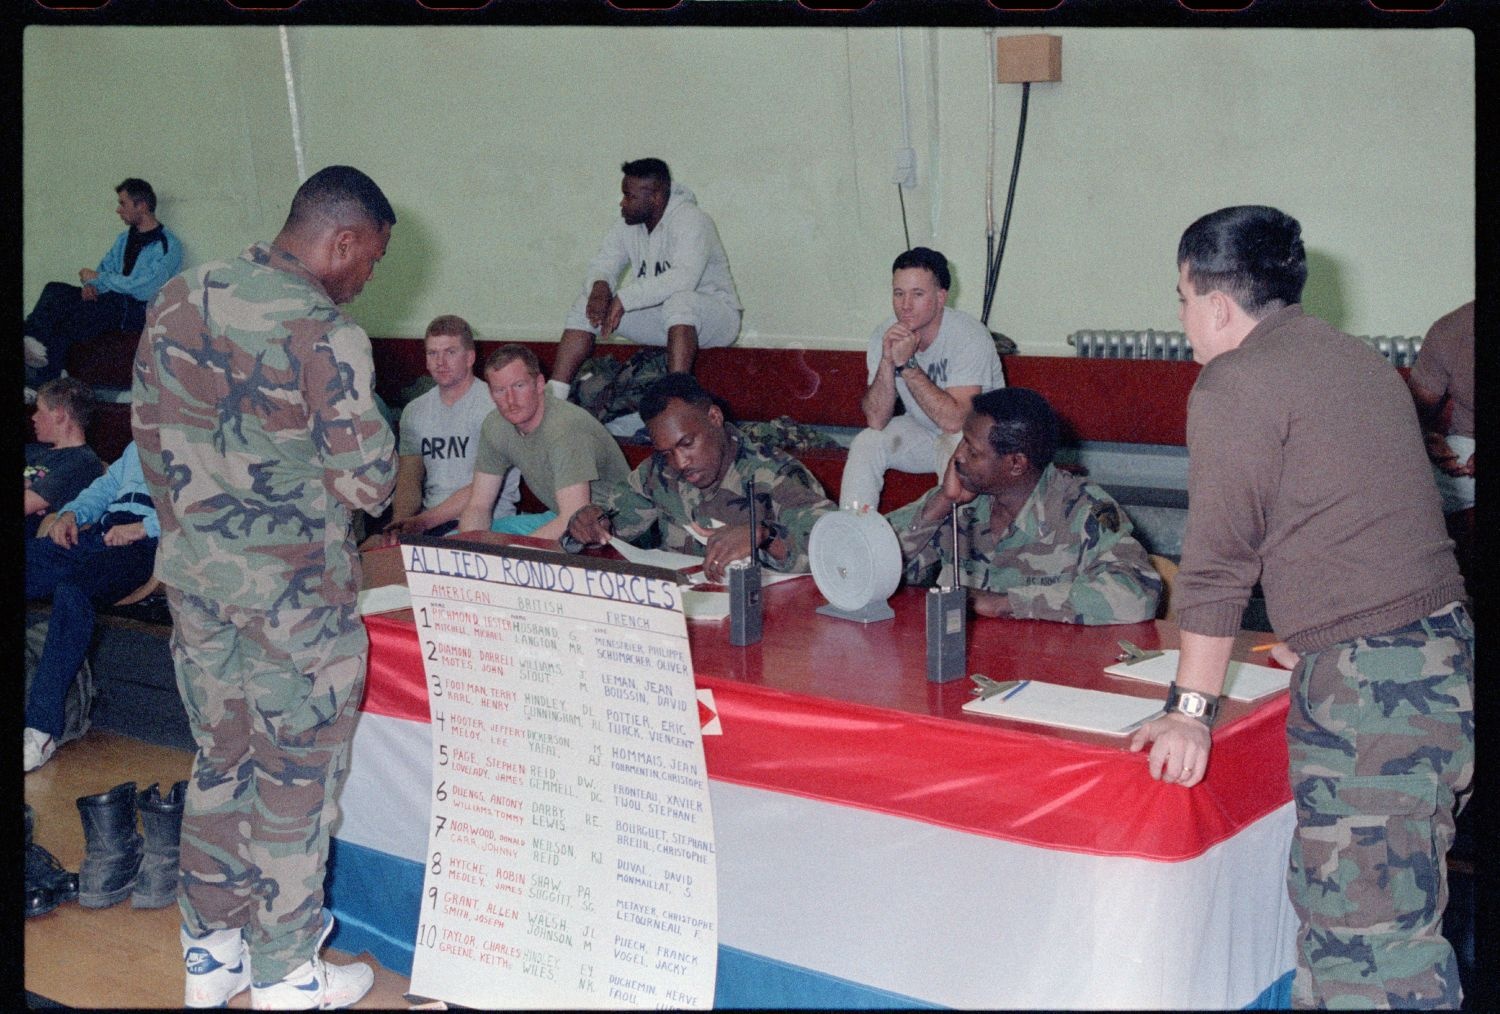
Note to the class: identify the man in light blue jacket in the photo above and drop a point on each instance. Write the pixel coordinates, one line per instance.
(100, 548)
(111, 297)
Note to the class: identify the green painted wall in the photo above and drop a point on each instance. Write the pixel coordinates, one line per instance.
(499, 148)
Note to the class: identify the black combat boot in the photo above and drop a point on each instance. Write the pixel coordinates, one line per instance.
(112, 847)
(161, 820)
(47, 883)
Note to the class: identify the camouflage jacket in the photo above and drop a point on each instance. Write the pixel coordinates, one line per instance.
(1068, 556)
(787, 499)
(253, 406)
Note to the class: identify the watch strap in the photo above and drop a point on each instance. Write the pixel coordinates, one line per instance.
(1203, 707)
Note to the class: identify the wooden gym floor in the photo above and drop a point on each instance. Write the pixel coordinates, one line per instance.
(121, 956)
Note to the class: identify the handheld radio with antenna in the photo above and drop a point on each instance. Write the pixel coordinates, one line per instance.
(947, 615)
(744, 587)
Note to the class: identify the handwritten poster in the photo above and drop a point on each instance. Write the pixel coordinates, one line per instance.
(570, 859)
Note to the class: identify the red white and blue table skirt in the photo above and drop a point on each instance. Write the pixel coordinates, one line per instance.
(872, 858)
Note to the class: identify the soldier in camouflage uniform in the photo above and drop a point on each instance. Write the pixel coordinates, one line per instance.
(254, 410)
(1380, 735)
(1038, 543)
(696, 483)
(1308, 474)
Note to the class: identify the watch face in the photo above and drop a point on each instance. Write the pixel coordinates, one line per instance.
(1193, 704)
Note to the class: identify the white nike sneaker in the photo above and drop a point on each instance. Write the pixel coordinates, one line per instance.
(34, 352)
(37, 748)
(315, 985)
(217, 967)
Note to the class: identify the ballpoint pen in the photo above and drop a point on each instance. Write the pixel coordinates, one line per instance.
(1015, 690)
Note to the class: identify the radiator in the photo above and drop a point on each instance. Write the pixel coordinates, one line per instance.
(1150, 344)
(1146, 344)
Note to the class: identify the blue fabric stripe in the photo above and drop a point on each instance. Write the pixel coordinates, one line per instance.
(1277, 996)
(751, 980)
(377, 898)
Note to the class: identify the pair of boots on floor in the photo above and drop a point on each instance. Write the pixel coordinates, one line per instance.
(118, 861)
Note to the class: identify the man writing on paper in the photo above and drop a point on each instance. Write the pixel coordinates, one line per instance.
(1308, 473)
(254, 409)
(440, 440)
(694, 489)
(558, 447)
(677, 291)
(934, 360)
(1037, 542)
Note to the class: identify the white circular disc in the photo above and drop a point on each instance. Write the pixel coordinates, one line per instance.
(855, 558)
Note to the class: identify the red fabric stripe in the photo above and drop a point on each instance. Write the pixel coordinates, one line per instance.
(395, 685)
(1026, 787)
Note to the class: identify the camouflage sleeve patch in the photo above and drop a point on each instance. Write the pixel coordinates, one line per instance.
(1105, 515)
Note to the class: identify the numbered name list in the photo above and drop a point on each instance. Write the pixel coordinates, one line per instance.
(570, 859)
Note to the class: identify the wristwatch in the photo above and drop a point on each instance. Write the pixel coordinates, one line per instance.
(1192, 704)
(910, 364)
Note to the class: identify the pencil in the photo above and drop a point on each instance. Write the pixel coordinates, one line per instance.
(1265, 647)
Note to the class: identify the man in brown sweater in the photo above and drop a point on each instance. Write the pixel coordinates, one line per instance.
(1307, 471)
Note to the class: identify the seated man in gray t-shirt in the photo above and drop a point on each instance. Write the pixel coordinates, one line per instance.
(440, 438)
(930, 358)
(558, 447)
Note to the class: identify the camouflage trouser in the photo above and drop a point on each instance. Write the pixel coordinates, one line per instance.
(1381, 737)
(271, 696)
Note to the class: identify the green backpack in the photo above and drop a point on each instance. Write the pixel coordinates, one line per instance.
(608, 388)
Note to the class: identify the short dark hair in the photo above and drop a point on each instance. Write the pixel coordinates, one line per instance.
(72, 396)
(1251, 253)
(1024, 422)
(452, 324)
(138, 190)
(924, 257)
(509, 353)
(649, 169)
(682, 386)
(342, 195)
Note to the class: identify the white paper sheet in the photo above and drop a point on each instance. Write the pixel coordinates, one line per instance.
(655, 557)
(1245, 681)
(684, 562)
(1069, 708)
(705, 605)
(384, 599)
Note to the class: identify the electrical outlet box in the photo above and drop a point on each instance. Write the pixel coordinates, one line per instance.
(1023, 58)
(906, 168)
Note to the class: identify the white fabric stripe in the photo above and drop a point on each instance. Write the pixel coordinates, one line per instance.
(975, 922)
(385, 802)
(943, 916)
